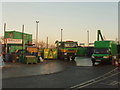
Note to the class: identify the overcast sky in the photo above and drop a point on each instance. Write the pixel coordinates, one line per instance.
(75, 18)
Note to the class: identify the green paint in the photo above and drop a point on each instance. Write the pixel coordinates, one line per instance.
(81, 51)
(50, 53)
(18, 35)
(104, 49)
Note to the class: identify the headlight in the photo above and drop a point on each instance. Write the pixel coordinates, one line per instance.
(114, 57)
(65, 53)
(63, 50)
(106, 57)
(76, 50)
(93, 57)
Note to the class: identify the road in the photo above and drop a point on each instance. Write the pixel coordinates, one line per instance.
(58, 74)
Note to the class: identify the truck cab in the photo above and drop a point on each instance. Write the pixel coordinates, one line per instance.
(104, 51)
(67, 49)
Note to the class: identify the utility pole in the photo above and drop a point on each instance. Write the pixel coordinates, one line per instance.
(5, 40)
(88, 36)
(47, 42)
(37, 33)
(61, 34)
(22, 37)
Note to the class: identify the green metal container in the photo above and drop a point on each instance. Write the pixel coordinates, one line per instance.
(22, 59)
(28, 59)
(81, 51)
(31, 59)
(50, 53)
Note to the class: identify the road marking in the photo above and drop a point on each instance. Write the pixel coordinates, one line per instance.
(114, 83)
(95, 80)
(110, 83)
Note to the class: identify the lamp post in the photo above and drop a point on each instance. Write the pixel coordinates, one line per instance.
(5, 40)
(47, 43)
(61, 34)
(88, 36)
(22, 38)
(37, 22)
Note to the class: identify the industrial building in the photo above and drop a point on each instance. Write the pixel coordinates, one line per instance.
(15, 40)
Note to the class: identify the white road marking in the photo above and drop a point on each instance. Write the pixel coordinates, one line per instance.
(95, 80)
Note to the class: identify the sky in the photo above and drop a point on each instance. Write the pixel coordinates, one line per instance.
(75, 18)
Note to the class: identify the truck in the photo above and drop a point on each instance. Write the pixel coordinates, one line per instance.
(118, 47)
(67, 49)
(104, 50)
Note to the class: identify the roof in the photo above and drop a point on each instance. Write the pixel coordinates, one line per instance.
(17, 31)
(106, 41)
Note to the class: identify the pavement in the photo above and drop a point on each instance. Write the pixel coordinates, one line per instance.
(52, 73)
(19, 70)
(11, 70)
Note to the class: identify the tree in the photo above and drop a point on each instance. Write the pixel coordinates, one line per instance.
(51, 46)
(42, 44)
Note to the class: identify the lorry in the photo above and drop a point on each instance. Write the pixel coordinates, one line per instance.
(67, 49)
(118, 47)
(104, 50)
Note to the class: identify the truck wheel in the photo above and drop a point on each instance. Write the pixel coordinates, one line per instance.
(61, 57)
(68, 58)
(93, 63)
(73, 58)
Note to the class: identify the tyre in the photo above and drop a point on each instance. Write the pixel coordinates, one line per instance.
(68, 58)
(93, 62)
(73, 58)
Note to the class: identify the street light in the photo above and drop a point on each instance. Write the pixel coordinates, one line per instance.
(22, 38)
(47, 42)
(5, 40)
(61, 34)
(37, 32)
(88, 36)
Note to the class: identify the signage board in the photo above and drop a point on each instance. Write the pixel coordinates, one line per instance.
(13, 41)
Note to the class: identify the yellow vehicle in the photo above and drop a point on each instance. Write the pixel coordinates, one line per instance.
(32, 49)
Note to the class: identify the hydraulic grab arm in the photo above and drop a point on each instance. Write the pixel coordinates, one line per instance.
(99, 34)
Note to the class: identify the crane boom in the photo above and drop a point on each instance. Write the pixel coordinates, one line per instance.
(99, 34)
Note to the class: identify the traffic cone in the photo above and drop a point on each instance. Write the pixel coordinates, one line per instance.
(117, 63)
(113, 62)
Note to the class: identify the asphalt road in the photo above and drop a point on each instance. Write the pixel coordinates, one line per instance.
(71, 74)
(112, 82)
